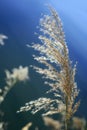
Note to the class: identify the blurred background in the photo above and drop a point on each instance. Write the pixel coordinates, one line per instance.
(18, 21)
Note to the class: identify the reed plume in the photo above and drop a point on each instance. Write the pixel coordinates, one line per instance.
(59, 72)
(19, 74)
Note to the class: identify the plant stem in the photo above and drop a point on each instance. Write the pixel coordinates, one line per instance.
(66, 118)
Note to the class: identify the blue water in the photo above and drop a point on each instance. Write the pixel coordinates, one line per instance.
(18, 20)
